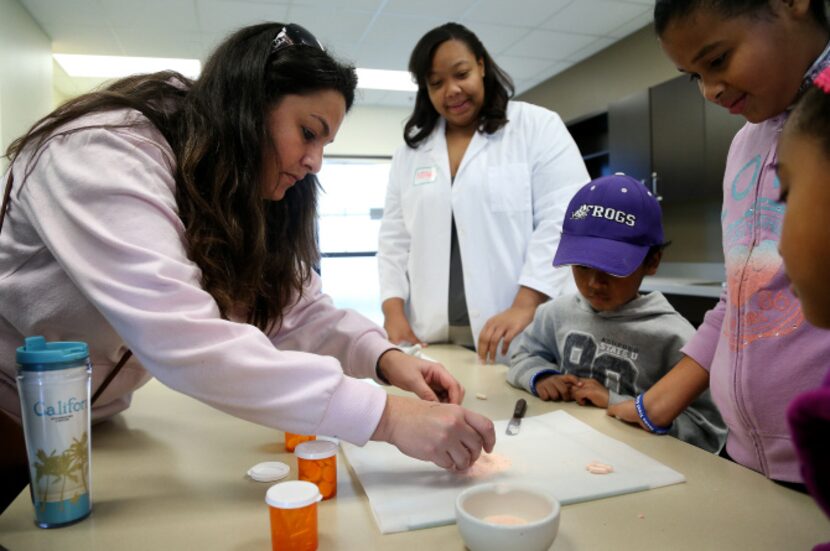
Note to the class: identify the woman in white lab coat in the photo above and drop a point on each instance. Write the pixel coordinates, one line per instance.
(475, 203)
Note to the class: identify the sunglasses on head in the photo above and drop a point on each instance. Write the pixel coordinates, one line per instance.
(293, 34)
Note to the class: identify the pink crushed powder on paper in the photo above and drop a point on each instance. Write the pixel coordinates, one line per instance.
(488, 464)
(505, 520)
(595, 467)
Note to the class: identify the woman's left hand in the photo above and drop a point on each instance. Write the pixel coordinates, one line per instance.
(428, 380)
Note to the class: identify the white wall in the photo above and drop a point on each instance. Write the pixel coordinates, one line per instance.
(631, 65)
(370, 131)
(25, 73)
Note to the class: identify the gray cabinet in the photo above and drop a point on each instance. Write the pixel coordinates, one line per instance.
(670, 137)
(591, 136)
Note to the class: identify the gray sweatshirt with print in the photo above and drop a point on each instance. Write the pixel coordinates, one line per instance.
(627, 350)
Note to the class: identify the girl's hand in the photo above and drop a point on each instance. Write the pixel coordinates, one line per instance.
(668, 397)
(590, 391)
(556, 387)
(448, 435)
(428, 380)
(625, 411)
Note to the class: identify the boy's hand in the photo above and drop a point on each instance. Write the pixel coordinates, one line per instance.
(556, 387)
(590, 391)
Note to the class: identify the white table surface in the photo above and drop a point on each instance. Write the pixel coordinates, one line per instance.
(169, 473)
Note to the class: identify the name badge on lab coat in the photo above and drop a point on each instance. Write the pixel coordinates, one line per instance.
(425, 175)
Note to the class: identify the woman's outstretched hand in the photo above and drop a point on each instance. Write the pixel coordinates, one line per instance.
(446, 434)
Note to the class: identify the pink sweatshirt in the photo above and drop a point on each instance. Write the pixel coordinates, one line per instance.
(93, 250)
(756, 344)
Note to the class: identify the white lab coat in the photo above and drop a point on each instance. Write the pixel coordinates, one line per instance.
(509, 198)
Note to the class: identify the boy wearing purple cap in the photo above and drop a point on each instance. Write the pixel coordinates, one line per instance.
(609, 343)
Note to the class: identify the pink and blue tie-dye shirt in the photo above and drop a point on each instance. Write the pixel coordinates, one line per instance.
(756, 344)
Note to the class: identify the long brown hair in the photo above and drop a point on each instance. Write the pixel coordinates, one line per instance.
(254, 254)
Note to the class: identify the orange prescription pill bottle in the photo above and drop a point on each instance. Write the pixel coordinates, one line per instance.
(317, 463)
(291, 440)
(293, 509)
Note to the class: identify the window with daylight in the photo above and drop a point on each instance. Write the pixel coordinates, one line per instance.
(350, 209)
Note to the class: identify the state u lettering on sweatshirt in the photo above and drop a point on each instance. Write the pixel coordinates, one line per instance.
(627, 350)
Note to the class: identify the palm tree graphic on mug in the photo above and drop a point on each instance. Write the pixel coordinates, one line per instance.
(60, 468)
(45, 468)
(79, 454)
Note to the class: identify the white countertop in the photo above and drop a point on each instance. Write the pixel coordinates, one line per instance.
(169, 473)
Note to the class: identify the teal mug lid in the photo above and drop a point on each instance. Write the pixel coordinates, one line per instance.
(39, 355)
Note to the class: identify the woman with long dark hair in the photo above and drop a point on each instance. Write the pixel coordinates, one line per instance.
(475, 203)
(176, 219)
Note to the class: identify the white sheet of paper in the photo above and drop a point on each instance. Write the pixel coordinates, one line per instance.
(550, 452)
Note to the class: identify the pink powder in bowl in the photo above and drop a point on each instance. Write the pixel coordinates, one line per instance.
(505, 520)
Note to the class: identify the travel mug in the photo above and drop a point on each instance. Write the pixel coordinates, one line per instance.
(53, 380)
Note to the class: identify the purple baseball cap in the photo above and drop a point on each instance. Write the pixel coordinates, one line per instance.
(610, 225)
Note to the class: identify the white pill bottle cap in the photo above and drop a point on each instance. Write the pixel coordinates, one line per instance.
(293, 494)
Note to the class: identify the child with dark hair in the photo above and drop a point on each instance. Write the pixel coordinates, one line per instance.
(608, 342)
(754, 350)
(804, 171)
(474, 204)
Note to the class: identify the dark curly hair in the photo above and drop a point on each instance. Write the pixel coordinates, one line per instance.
(498, 86)
(666, 11)
(811, 117)
(253, 253)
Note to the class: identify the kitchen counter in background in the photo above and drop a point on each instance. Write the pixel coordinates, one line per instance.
(697, 279)
(692, 288)
(683, 286)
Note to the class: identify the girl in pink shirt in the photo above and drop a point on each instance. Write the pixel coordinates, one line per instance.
(754, 350)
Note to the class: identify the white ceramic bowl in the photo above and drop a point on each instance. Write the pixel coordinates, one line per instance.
(480, 511)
